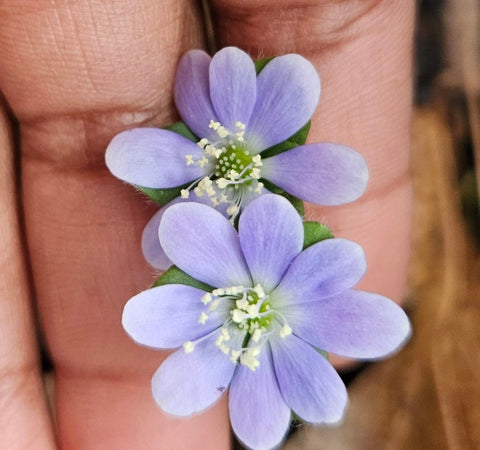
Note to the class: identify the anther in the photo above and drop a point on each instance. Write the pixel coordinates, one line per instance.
(203, 318)
(285, 331)
(206, 298)
(188, 346)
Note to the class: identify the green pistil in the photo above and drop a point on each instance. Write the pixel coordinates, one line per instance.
(236, 159)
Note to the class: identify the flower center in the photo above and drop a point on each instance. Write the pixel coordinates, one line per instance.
(251, 314)
(230, 165)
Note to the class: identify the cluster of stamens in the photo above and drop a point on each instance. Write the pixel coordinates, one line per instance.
(251, 314)
(232, 167)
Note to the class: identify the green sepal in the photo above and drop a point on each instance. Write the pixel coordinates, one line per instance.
(181, 129)
(323, 353)
(296, 203)
(163, 196)
(314, 232)
(261, 63)
(299, 138)
(174, 275)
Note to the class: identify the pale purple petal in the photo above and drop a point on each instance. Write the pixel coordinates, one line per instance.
(271, 235)
(233, 86)
(355, 324)
(188, 383)
(167, 316)
(288, 89)
(203, 243)
(322, 173)
(309, 384)
(258, 413)
(322, 270)
(192, 95)
(152, 157)
(152, 250)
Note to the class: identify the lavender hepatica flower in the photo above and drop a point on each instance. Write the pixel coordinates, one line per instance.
(257, 330)
(238, 117)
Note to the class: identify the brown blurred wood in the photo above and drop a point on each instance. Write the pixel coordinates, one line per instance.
(428, 396)
(462, 22)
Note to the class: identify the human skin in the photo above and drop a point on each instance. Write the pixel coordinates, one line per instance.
(74, 74)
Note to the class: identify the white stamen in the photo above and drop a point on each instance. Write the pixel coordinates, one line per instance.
(203, 318)
(206, 298)
(214, 305)
(225, 334)
(255, 173)
(257, 160)
(249, 358)
(188, 346)
(214, 125)
(202, 162)
(238, 316)
(184, 193)
(234, 356)
(285, 331)
(259, 187)
(222, 183)
(223, 198)
(259, 291)
(257, 334)
(189, 160)
(202, 142)
(232, 210)
(222, 132)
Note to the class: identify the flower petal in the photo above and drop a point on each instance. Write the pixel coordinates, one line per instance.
(233, 86)
(355, 324)
(154, 158)
(322, 270)
(271, 235)
(152, 250)
(258, 413)
(192, 95)
(167, 316)
(309, 384)
(288, 89)
(322, 173)
(203, 243)
(188, 383)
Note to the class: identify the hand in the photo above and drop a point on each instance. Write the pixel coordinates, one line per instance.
(75, 73)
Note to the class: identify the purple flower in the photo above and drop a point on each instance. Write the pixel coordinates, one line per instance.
(237, 116)
(271, 306)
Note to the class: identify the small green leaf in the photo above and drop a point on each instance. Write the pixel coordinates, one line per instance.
(314, 232)
(181, 129)
(323, 353)
(296, 203)
(296, 420)
(174, 275)
(163, 196)
(261, 63)
(272, 187)
(299, 138)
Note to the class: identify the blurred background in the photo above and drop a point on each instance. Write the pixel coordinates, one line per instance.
(428, 396)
